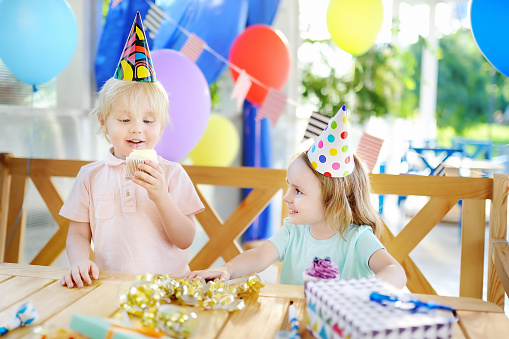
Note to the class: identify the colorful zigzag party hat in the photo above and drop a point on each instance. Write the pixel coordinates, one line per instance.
(332, 154)
(136, 63)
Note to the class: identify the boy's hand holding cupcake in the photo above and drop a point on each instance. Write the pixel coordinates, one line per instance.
(143, 169)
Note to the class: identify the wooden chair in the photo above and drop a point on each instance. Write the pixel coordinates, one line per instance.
(222, 242)
(444, 193)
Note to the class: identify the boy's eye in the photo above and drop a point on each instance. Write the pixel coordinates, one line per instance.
(148, 121)
(298, 191)
(124, 120)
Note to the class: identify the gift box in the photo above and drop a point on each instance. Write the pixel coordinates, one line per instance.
(345, 309)
(101, 328)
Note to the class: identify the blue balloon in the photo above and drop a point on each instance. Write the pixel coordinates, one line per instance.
(262, 12)
(491, 31)
(216, 22)
(38, 38)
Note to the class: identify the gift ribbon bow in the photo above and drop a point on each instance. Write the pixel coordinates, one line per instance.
(411, 305)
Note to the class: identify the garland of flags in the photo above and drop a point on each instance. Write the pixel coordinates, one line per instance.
(274, 103)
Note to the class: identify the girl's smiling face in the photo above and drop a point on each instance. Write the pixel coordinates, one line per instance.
(131, 128)
(304, 195)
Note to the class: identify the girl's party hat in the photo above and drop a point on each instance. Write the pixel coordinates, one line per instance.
(135, 63)
(332, 154)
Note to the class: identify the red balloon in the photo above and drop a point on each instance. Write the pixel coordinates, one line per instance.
(265, 56)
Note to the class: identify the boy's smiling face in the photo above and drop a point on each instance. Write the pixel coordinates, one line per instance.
(304, 195)
(131, 128)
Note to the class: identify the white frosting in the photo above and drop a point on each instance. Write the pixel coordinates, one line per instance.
(150, 154)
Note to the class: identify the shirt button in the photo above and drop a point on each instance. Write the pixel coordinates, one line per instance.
(127, 193)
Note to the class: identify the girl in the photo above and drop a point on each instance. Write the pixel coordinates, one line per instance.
(136, 225)
(330, 215)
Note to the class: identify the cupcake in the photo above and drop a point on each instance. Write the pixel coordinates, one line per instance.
(321, 269)
(137, 157)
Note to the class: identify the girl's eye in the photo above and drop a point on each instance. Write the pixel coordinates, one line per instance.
(298, 191)
(124, 120)
(148, 121)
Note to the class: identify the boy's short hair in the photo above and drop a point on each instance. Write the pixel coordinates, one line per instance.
(154, 92)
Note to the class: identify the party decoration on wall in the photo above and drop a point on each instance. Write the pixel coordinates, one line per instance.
(193, 47)
(354, 25)
(272, 107)
(263, 53)
(227, 17)
(39, 38)
(369, 149)
(135, 63)
(332, 154)
(242, 86)
(491, 32)
(439, 171)
(190, 105)
(154, 19)
(115, 3)
(316, 124)
(219, 144)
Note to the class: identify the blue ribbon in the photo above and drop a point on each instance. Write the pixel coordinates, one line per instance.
(410, 305)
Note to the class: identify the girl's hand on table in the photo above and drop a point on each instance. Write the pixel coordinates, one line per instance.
(219, 272)
(80, 274)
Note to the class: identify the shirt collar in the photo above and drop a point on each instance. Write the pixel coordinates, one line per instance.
(112, 160)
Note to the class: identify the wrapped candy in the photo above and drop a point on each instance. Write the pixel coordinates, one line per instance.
(25, 315)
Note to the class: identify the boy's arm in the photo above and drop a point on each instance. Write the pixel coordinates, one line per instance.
(82, 270)
(252, 261)
(179, 228)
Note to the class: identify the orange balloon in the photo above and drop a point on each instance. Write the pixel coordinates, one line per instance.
(263, 53)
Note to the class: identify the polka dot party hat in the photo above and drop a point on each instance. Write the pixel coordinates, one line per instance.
(136, 63)
(332, 154)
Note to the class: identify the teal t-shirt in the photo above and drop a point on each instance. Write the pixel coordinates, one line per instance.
(297, 248)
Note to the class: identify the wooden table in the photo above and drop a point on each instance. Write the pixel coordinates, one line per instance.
(263, 316)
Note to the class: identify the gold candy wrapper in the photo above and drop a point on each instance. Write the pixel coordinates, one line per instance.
(150, 297)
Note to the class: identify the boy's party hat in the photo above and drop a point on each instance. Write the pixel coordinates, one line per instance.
(135, 63)
(332, 154)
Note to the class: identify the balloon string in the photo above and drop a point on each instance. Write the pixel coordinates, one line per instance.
(30, 155)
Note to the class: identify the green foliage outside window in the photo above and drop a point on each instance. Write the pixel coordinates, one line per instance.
(381, 84)
(386, 82)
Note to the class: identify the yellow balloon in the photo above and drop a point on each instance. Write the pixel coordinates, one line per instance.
(219, 144)
(354, 24)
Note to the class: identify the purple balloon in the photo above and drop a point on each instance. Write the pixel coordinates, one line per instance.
(190, 105)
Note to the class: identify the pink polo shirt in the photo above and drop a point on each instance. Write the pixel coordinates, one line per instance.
(127, 232)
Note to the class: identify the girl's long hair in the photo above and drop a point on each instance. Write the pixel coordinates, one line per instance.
(347, 200)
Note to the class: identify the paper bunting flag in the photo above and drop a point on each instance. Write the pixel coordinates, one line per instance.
(135, 63)
(115, 3)
(332, 154)
(369, 149)
(272, 107)
(242, 86)
(316, 124)
(439, 171)
(155, 16)
(193, 47)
